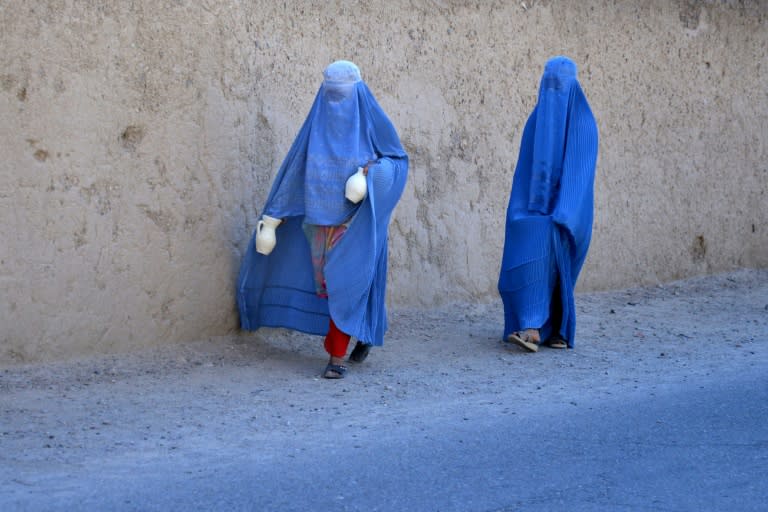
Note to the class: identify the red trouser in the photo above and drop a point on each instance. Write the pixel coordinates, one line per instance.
(336, 342)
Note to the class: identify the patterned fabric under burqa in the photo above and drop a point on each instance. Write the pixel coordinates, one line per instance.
(345, 129)
(550, 212)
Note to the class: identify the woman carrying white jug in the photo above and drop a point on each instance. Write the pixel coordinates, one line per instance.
(317, 262)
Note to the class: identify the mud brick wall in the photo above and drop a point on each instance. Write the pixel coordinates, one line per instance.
(138, 141)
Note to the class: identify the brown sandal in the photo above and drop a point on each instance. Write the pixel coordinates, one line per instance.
(527, 339)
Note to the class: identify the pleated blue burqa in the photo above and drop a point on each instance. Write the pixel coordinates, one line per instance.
(345, 129)
(550, 212)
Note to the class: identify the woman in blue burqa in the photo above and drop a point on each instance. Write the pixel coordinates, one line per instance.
(327, 272)
(549, 217)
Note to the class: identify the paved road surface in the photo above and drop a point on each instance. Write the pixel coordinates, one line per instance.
(700, 446)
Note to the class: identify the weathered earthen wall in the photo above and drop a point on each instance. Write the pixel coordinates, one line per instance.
(139, 139)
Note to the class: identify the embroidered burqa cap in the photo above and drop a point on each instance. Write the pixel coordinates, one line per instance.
(341, 72)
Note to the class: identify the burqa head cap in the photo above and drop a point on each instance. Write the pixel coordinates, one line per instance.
(342, 72)
(560, 66)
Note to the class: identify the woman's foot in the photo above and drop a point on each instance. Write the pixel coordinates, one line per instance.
(335, 368)
(528, 339)
(360, 352)
(557, 341)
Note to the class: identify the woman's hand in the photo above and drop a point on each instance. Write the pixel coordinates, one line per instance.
(370, 163)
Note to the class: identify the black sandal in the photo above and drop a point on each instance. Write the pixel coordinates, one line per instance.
(334, 371)
(360, 352)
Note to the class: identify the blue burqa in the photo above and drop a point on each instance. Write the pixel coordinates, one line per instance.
(345, 129)
(549, 217)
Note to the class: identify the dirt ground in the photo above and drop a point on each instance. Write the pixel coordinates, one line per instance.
(205, 395)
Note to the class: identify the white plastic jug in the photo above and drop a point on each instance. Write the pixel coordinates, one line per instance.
(265, 234)
(356, 187)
